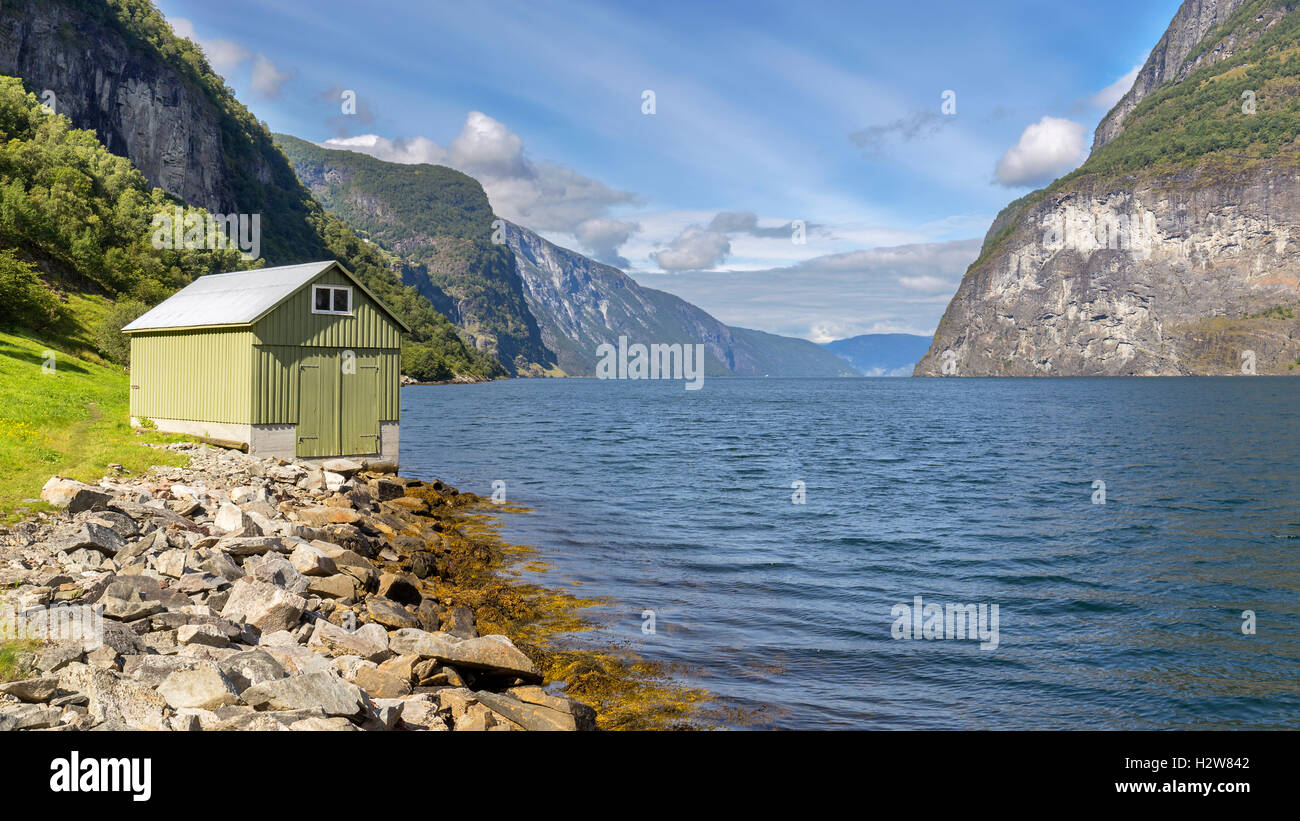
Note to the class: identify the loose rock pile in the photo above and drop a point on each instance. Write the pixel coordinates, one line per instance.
(244, 593)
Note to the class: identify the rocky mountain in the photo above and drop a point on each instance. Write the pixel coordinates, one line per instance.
(580, 304)
(142, 108)
(1169, 60)
(765, 354)
(116, 68)
(881, 354)
(1174, 248)
(439, 222)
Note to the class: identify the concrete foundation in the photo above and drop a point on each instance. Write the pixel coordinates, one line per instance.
(388, 441)
(273, 441)
(230, 431)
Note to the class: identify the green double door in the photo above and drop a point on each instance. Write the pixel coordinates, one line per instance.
(338, 403)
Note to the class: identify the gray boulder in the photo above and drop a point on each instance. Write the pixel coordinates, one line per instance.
(277, 570)
(264, 606)
(322, 690)
(251, 667)
(370, 641)
(492, 654)
(89, 536)
(389, 613)
(32, 689)
(112, 697)
(204, 688)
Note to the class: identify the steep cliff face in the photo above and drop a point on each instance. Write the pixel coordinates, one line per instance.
(115, 67)
(1175, 249)
(140, 108)
(582, 304)
(1169, 61)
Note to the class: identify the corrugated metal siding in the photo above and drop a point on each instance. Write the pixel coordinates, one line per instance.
(203, 375)
(359, 395)
(390, 380)
(275, 386)
(293, 323)
(318, 405)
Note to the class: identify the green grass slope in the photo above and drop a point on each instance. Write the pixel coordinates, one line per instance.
(65, 415)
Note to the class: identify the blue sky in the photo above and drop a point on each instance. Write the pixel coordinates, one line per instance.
(764, 114)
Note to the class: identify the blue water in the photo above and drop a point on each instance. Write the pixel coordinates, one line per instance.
(1121, 615)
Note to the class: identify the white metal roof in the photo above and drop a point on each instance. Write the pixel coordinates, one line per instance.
(236, 298)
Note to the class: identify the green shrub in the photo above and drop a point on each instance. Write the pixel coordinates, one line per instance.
(25, 301)
(111, 343)
(425, 363)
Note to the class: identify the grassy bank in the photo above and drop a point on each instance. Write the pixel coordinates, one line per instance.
(66, 415)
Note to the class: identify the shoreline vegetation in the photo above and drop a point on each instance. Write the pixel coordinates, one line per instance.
(627, 691)
(407, 381)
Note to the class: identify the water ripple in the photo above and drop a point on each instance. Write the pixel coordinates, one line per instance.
(1126, 614)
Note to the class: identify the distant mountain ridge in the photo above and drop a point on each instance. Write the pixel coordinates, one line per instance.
(539, 308)
(881, 354)
(439, 222)
(581, 304)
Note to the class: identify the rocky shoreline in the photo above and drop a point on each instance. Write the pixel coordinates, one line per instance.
(240, 593)
(460, 380)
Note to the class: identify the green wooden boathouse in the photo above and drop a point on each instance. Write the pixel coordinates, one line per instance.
(299, 361)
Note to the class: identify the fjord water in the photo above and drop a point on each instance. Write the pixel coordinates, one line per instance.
(1123, 615)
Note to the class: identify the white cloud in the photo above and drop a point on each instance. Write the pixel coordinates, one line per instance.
(824, 332)
(538, 195)
(604, 236)
(1113, 93)
(760, 243)
(833, 296)
(694, 249)
(225, 55)
(267, 78)
(183, 28)
(489, 148)
(926, 283)
(1046, 150)
(408, 151)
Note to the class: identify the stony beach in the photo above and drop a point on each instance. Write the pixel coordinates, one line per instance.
(239, 593)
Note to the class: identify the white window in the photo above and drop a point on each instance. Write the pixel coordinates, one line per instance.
(331, 299)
